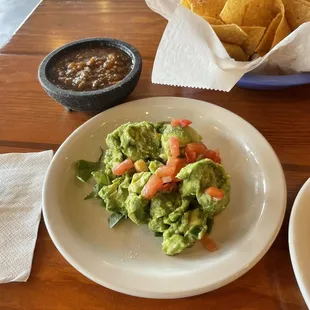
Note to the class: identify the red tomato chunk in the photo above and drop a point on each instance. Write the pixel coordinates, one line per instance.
(180, 122)
(123, 167)
(214, 155)
(198, 148)
(165, 171)
(215, 192)
(179, 164)
(174, 147)
(190, 156)
(208, 243)
(152, 186)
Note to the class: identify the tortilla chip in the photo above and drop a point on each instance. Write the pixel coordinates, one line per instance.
(282, 32)
(266, 42)
(186, 4)
(234, 11)
(235, 52)
(306, 2)
(255, 34)
(260, 13)
(297, 12)
(212, 20)
(230, 33)
(283, 29)
(211, 8)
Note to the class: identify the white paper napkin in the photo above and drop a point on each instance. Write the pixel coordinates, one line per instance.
(21, 182)
(190, 54)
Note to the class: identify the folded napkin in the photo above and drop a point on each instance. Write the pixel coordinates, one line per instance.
(21, 182)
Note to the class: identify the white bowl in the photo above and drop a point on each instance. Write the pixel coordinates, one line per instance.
(128, 258)
(298, 238)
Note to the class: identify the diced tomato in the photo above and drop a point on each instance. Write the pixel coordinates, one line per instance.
(218, 160)
(168, 187)
(152, 186)
(185, 122)
(196, 151)
(174, 147)
(198, 148)
(180, 122)
(191, 156)
(165, 171)
(217, 156)
(179, 164)
(172, 161)
(123, 167)
(172, 168)
(215, 192)
(210, 154)
(167, 179)
(214, 155)
(208, 243)
(175, 122)
(193, 150)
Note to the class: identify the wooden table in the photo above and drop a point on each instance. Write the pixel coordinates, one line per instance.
(31, 121)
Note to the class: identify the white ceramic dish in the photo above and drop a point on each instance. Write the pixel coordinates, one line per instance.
(298, 238)
(128, 258)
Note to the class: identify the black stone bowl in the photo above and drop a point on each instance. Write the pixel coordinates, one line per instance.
(94, 100)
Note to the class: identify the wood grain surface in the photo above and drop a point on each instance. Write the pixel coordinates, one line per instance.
(31, 121)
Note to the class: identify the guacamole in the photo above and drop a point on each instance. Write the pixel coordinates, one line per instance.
(161, 175)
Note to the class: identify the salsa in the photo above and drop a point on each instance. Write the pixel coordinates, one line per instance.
(90, 68)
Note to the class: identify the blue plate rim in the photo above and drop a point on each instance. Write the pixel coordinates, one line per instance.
(275, 80)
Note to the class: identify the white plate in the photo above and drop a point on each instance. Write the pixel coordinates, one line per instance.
(298, 240)
(128, 258)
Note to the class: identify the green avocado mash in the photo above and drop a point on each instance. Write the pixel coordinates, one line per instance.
(201, 175)
(181, 214)
(134, 141)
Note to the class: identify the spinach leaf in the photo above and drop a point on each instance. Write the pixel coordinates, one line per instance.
(210, 222)
(84, 168)
(90, 195)
(94, 193)
(114, 219)
(101, 179)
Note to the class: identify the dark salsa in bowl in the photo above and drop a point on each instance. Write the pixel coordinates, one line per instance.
(90, 68)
